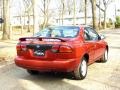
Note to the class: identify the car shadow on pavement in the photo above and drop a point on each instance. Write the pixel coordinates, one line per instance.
(51, 81)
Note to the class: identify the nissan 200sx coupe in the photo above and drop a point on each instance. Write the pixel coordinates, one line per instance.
(61, 49)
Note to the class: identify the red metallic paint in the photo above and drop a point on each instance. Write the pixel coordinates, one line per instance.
(62, 61)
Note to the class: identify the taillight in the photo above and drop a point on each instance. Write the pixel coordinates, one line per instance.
(18, 47)
(61, 49)
(21, 47)
(65, 49)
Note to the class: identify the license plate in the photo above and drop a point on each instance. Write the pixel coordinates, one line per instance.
(39, 53)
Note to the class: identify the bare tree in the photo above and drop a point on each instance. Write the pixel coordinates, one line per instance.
(6, 18)
(63, 9)
(45, 12)
(104, 10)
(99, 15)
(93, 2)
(21, 20)
(85, 11)
(28, 8)
(28, 22)
(74, 12)
(1, 12)
(35, 17)
(81, 6)
(105, 3)
(69, 4)
(33, 8)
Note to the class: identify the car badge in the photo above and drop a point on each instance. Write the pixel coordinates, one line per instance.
(38, 46)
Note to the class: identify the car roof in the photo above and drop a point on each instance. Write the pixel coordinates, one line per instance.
(64, 26)
(72, 26)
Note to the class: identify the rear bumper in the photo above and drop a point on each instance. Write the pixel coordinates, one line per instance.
(61, 65)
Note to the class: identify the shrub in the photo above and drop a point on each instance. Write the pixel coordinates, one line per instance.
(117, 23)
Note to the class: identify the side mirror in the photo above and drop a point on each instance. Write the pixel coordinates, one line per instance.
(102, 37)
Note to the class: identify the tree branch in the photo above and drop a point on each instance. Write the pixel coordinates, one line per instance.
(100, 8)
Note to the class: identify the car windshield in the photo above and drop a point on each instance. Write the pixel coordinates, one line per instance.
(59, 32)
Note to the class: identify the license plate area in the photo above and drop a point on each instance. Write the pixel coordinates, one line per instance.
(39, 53)
(38, 49)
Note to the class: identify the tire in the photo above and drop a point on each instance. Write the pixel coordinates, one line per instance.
(104, 57)
(33, 72)
(81, 71)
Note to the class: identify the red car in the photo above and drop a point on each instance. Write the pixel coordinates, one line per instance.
(61, 49)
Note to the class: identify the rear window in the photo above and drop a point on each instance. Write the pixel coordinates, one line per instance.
(59, 32)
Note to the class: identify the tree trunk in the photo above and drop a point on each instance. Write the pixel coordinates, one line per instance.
(63, 8)
(46, 13)
(44, 4)
(99, 15)
(21, 22)
(105, 19)
(69, 12)
(33, 7)
(74, 17)
(45, 22)
(85, 11)
(59, 20)
(6, 19)
(35, 17)
(28, 22)
(2, 18)
(94, 13)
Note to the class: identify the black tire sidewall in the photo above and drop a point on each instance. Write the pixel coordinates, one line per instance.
(33, 72)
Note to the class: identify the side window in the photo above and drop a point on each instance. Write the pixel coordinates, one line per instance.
(86, 35)
(90, 34)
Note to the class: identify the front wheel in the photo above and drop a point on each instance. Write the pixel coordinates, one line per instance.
(81, 71)
(104, 57)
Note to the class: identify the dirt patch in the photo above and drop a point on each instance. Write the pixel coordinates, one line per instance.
(7, 50)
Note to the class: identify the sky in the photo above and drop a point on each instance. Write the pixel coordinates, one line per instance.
(111, 9)
(18, 3)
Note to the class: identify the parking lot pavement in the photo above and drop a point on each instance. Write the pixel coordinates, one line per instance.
(101, 76)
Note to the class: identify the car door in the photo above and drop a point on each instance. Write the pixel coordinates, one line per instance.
(94, 37)
(100, 45)
(90, 45)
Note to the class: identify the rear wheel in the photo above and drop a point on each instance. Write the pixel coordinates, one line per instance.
(81, 71)
(104, 57)
(33, 72)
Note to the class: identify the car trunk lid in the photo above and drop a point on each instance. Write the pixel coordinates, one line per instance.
(41, 48)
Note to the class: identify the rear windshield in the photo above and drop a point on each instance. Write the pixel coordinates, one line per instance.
(59, 32)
